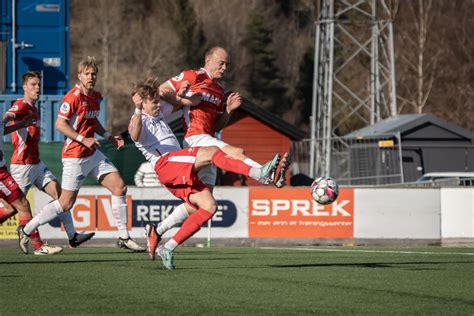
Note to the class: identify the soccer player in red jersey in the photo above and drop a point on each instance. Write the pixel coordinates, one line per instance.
(25, 165)
(177, 168)
(11, 193)
(210, 112)
(78, 121)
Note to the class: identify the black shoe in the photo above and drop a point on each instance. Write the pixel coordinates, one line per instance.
(79, 239)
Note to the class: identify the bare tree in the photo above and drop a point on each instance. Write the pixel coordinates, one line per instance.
(421, 60)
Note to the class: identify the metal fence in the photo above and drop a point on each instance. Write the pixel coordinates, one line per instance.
(354, 161)
(48, 106)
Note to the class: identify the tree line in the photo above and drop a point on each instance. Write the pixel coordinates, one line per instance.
(271, 43)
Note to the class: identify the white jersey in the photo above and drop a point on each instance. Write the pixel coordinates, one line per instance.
(156, 137)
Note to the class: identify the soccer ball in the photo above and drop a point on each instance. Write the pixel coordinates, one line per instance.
(324, 190)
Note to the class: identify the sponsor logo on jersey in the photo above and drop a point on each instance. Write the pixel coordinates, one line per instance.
(211, 98)
(65, 107)
(91, 114)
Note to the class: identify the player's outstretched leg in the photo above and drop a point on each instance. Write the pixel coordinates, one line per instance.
(280, 177)
(152, 240)
(268, 170)
(80, 238)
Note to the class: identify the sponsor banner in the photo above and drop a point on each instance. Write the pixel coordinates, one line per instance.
(292, 213)
(93, 212)
(8, 228)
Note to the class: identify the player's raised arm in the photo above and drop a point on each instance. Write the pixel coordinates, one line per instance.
(234, 100)
(135, 126)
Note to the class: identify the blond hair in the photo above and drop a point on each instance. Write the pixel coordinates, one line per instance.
(89, 62)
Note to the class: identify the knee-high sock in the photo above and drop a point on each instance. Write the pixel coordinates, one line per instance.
(221, 160)
(119, 210)
(24, 219)
(177, 216)
(66, 218)
(49, 212)
(189, 228)
(252, 163)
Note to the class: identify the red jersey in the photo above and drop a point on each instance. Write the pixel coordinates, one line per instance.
(25, 141)
(82, 112)
(200, 119)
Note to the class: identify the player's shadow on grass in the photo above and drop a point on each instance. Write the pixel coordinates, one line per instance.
(374, 265)
(72, 261)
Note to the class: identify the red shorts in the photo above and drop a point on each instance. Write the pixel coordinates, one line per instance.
(9, 190)
(175, 171)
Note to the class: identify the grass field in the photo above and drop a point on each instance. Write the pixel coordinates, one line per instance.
(243, 281)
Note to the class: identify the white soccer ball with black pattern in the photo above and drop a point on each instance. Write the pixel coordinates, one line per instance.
(324, 190)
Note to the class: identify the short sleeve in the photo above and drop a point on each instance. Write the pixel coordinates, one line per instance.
(68, 107)
(18, 110)
(187, 75)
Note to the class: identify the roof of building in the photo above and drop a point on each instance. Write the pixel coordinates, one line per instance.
(407, 123)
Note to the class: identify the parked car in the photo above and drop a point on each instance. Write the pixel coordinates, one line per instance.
(448, 178)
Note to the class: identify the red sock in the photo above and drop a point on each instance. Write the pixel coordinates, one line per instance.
(191, 225)
(221, 160)
(4, 215)
(34, 237)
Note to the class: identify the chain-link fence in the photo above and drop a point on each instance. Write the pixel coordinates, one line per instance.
(353, 161)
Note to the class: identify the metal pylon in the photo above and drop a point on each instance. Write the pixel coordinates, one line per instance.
(354, 72)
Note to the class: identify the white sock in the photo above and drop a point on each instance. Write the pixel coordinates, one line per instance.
(177, 216)
(171, 244)
(66, 218)
(255, 173)
(252, 163)
(119, 210)
(48, 213)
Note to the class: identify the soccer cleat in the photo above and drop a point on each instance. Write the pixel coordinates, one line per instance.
(47, 250)
(152, 239)
(267, 172)
(23, 239)
(130, 244)
(280, 177)
(166, 256)
(79, 239)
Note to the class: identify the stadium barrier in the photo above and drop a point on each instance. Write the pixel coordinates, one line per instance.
(430, 214)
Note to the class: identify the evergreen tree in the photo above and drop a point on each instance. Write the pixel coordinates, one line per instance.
(264, 82)
(190, 34)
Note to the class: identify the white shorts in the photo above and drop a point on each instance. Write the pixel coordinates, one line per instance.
(207, 174)
(28, 175)
(75, 170)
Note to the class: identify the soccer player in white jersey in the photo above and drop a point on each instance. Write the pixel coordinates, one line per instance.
(211, 112)
(178, 168)
(78, 121)
(25, 165)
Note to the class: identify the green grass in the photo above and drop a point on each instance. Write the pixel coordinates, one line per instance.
(243, 281)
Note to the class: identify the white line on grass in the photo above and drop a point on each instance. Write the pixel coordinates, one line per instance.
(374, 251)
